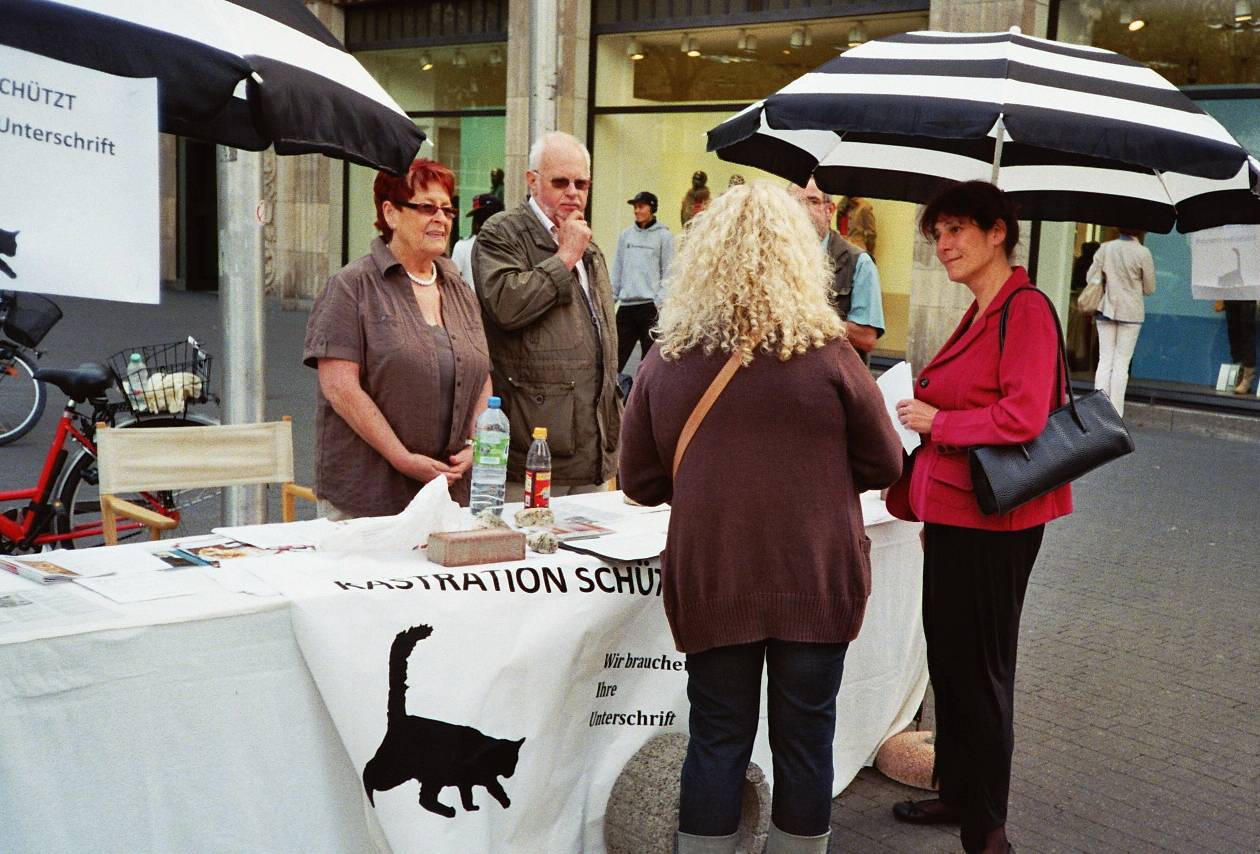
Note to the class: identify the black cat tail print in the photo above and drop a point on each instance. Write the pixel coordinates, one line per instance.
(434, 753)
(8, 246)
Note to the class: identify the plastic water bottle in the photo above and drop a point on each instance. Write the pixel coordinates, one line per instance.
(137, 376)
(538, 471)
(490, 457)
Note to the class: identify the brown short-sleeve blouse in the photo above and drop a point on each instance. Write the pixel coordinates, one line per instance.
(367, 314)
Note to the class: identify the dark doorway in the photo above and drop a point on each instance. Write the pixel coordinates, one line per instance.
(198, 216)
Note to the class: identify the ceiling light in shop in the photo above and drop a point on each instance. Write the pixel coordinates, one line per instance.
(460, 60)
(751, 46)
(426, 64)
(1128, 19)
(634, 50)
(797, 39)
(809, 38)
(495, 57)
(689, 46)
(742, 44)
(858, 35)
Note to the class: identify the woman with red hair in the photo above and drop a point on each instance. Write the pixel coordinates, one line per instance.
(403, 366)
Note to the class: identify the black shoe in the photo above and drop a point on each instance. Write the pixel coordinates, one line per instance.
(932, 811)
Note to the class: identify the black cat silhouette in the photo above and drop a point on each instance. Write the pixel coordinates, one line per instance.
(435, 754)
(8, 246)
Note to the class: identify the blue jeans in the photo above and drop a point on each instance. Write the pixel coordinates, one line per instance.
(724, 687)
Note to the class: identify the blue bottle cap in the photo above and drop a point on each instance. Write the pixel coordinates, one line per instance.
(494, 403)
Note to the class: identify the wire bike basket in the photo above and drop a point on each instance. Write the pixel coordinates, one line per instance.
(165, 379)
(26, 318)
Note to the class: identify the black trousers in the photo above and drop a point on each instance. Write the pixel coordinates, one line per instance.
(973, 593)
(1240, 322)
(633, 324)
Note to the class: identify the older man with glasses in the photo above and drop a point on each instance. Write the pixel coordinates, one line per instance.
(856, 283)
(547, 304)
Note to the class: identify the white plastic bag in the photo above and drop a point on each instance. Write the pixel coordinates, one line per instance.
(431, 511)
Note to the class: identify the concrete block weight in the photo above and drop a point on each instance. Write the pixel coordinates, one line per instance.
(642, 812)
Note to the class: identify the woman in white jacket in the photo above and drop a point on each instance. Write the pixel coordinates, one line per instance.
(1127, 271)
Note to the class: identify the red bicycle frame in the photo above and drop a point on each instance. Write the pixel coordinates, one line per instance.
(38, 498)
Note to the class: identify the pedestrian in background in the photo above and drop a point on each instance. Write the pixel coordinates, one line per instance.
(644, 251)
(855, 283)
(548, 310)
(484, 206)
(397, 340)
(801, 431)
(976, 567)
(1127, 271)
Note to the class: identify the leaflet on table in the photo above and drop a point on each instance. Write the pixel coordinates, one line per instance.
(282, 535)
(47, 571)
(42, 607)
(211, 550)
(144, 586)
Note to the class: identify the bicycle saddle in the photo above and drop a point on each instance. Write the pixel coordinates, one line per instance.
(88, 380)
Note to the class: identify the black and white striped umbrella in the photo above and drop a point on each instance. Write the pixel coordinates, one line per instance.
(1072, 132)
(244, 73)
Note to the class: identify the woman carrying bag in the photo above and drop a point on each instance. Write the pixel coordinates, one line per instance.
(976, 566)
(1126, 272)
(752, 365)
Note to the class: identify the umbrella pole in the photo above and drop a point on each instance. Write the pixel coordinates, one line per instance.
(997, 151)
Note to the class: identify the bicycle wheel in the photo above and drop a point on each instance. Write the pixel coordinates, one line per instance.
(22, 397)
(198, 509)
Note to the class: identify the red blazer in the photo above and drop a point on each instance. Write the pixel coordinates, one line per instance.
(984, 399)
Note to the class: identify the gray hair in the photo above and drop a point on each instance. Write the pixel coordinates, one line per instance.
(544, 142)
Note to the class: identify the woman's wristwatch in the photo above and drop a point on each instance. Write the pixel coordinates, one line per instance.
(468, 443)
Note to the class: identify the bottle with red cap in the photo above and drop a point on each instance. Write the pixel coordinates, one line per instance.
(538, 471)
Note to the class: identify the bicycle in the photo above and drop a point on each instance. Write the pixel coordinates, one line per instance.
(24, 321)
(62, 509)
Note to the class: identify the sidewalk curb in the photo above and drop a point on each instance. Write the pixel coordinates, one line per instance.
(1218, 425)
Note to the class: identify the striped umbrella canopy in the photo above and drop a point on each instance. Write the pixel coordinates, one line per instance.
(1074, 133)
(243, 73)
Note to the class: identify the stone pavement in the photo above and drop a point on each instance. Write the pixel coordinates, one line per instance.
(1138, 696)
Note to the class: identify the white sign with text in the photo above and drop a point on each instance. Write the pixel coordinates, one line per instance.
(79, 199)
(1225, 263)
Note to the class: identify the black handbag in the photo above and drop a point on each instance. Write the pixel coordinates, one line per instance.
(1079, 437)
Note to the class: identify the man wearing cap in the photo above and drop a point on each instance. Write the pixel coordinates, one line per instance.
(484, 206)
(638, 272)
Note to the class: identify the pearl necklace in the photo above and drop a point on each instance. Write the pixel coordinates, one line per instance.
(423, 282)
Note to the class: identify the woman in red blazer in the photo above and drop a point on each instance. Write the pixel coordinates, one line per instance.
(976, 567)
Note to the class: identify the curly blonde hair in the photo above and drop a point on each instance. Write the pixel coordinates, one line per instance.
(749, 274)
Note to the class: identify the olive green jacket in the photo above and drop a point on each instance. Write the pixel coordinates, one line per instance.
(550, 366)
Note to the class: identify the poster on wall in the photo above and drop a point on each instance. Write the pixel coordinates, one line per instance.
(1225, 263)
(78, 180)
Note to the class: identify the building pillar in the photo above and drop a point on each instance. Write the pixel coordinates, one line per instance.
(936, 303)
(308, 209)
(548, 79)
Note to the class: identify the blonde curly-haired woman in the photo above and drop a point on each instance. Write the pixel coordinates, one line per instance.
(767, 560)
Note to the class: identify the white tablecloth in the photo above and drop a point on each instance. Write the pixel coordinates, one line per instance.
(196, 725)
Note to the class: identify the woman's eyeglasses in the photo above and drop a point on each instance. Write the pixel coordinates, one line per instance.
(429, 209)
(579, 184)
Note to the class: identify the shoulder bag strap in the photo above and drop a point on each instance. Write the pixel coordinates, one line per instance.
(703, 405)
(1061, 372)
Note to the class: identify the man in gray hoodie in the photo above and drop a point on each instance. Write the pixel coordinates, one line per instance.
(643, 254)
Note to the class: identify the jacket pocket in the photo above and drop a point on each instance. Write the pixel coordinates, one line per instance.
(951, 476)
(540, 404)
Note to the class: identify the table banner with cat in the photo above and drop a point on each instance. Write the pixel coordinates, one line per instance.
(488, 708)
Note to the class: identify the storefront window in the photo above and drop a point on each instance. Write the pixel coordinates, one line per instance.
(456, 95)
(651, 114)
(1215, 58)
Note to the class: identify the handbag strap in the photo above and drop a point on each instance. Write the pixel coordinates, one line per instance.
(1061, 370)
(703, 405)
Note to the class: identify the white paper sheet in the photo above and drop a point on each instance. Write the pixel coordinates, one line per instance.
(144, 586)
(278, 536)
(25, 609)
(124, 559)
(897, 383)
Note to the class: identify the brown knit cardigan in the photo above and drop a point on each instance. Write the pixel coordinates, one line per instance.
(766, 538)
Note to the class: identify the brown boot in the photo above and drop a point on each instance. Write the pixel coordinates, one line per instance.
(1244, 382)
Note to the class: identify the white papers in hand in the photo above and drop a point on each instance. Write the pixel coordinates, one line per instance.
(896, 384)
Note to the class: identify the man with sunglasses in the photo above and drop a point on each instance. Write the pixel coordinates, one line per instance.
(546, 300)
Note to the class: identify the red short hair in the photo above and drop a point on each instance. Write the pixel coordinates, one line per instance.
(395, 189)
